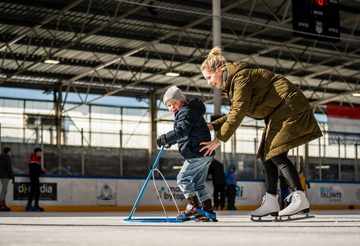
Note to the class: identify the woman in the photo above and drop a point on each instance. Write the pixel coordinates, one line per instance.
(263, 95)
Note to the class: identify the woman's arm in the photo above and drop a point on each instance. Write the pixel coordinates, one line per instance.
(218, 122)
(239, 105)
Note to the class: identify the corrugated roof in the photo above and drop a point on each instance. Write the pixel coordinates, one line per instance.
(148, 38)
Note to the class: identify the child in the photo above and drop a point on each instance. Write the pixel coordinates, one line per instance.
(231, 187)
(190, 129)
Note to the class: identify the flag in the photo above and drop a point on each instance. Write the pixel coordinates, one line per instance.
(343, 124)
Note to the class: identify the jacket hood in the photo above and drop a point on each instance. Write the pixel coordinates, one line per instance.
(232, 68)
(232, 166)
(197, 105)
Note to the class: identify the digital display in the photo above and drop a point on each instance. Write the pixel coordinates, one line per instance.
(319, 2)
(316, 19)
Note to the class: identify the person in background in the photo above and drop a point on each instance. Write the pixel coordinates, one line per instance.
(34, 172)
(6, 174)
(216, 170)
(231, 187)
(303, 181)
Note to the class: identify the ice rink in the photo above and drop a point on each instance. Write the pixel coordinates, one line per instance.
(234, 228)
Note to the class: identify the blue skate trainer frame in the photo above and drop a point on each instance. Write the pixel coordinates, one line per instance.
(151, 220)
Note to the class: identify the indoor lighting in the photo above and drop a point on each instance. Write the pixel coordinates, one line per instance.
(51, 61)
(323, 167)
(356, 94)
(172, 74)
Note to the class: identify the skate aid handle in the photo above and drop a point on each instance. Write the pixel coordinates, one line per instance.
(146, 182)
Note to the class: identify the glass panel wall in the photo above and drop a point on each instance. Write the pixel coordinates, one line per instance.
(127, 127)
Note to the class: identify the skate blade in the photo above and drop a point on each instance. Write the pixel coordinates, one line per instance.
(261, 219)
(256, 218)
(192, 218)
(298, 216)
(206, 220)
(199, 219)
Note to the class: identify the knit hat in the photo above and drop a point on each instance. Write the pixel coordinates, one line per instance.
(173, 93)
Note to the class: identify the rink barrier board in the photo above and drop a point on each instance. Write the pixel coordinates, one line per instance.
(64, 193)
(17, 208)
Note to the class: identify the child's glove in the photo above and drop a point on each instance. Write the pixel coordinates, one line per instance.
(161, 141)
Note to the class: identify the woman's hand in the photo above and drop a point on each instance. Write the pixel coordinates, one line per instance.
(210, 146)
(210, 127)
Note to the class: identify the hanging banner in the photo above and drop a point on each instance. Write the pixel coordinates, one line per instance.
(343, 124)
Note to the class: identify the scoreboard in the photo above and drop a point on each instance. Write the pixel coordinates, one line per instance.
(316, 19)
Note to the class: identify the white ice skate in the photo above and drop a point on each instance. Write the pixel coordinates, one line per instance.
(299, 204)
(269, 206)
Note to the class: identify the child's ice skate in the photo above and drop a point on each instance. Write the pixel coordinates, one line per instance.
(3, 207)
(269, 206)
(299, 205)
(191, 211)
(207, 214)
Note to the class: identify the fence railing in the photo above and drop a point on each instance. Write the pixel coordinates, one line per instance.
(330, 156)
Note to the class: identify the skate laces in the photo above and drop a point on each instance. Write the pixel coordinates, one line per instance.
(291, 197)
(263, 200)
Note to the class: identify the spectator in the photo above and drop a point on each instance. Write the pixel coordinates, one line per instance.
(216, 170)
(6, 173)
(303, 181)
(34, 172)
(231, 187)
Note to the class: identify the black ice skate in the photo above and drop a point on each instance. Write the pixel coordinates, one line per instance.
(3, 207)
(191, 212)
(206, 213)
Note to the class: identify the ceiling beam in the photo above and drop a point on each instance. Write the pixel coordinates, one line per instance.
(26, 32)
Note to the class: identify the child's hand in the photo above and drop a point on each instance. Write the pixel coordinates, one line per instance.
(161, 141)
(211, 127)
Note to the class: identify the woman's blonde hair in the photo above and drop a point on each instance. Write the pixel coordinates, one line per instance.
(214, 60)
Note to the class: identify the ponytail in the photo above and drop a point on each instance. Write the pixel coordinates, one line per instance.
(214, 60)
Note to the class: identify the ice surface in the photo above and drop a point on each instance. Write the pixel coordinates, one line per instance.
(340, 228)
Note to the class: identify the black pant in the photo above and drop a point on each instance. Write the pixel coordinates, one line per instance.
(34, 173)
(34, 190)
(288, 170)
(219, 196)
(231, 194)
